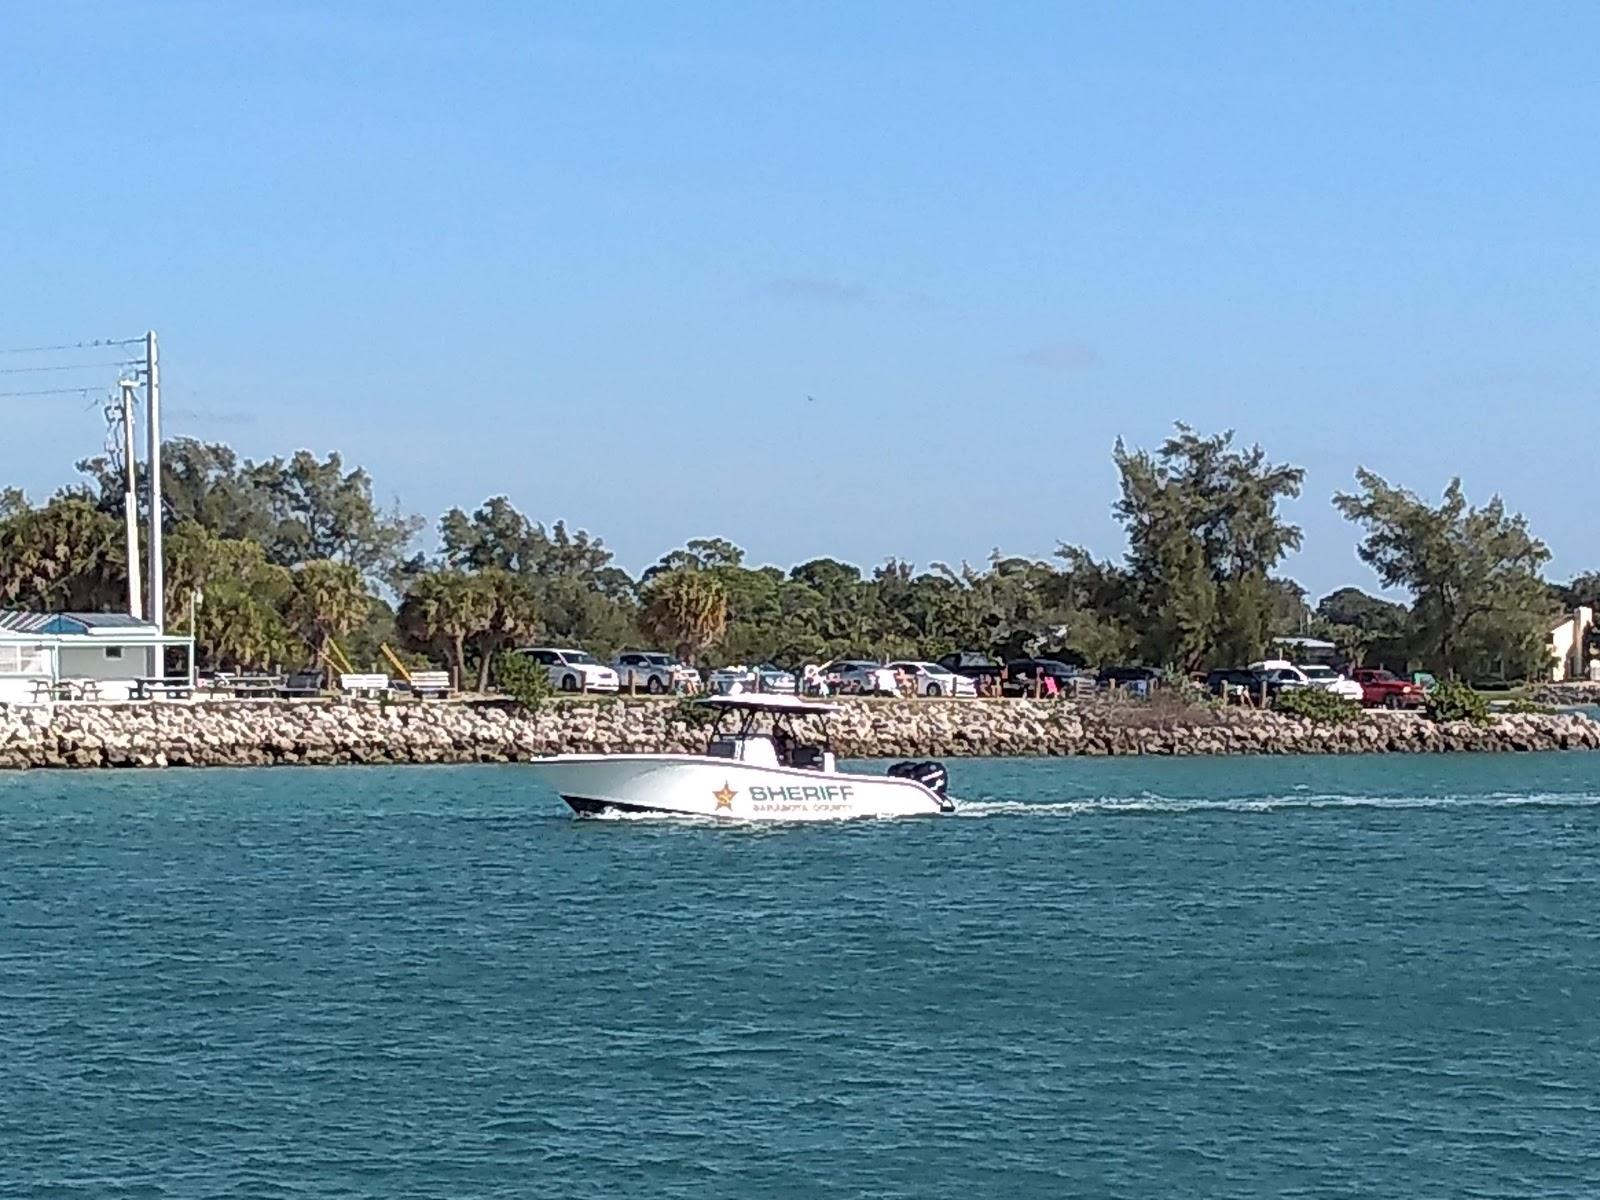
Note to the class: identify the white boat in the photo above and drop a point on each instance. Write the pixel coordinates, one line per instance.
(747, 773)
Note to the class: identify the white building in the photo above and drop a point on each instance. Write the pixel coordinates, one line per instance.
(49, 656)
(1568, 647)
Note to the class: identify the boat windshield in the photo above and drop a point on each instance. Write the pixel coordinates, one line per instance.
(737, 722)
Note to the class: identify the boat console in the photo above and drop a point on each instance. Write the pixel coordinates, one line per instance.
(779, 750)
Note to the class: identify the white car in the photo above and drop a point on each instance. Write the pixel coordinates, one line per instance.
(655, 672)
(930, 679)
(765, 678)
(1281, 673)
(856, 676)
(1329, 680)
(574, 670)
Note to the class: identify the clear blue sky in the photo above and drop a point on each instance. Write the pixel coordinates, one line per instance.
(595, 256)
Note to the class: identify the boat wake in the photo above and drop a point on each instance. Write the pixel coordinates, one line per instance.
(1150, 803)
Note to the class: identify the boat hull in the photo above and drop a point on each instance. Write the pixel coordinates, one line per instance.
(725, 789)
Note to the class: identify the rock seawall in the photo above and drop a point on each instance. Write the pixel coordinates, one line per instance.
(228, 733)
(1581, 692)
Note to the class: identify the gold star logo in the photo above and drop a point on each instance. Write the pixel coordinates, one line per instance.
(725, 795)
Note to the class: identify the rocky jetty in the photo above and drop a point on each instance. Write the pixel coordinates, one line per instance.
(257, 733)
(1567, 693)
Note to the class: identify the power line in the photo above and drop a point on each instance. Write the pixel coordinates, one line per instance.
(75, 391)
(97, 342)
(123, 362)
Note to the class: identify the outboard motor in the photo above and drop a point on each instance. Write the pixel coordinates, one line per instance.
(930, 775)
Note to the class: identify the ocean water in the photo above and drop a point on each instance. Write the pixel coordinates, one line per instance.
(1255, 978)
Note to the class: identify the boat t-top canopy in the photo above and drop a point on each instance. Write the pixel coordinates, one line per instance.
(773, 703)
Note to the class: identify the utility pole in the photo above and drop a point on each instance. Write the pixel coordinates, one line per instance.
(152, 367)
(130, 501)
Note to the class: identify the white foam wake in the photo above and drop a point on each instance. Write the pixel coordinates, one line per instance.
(1262, 804)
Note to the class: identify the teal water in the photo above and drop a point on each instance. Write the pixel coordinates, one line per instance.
(1254, 978)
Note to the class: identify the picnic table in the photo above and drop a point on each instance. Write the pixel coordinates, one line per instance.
(244, 687)
(66, 689)
(173, 687)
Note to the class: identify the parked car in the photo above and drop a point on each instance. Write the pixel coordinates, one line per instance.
(1288, 678)
(573, 670)
(1328, 680)
(762, 678)
(655, 672)
(1021, 674)
(976, 667)
(930, 679)
(1384, 689)
(858, 676)
(1282, 673)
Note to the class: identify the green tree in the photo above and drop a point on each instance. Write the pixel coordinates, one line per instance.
(510, 615)
(327, 601)
(65, 556)
(1480, 604)
(1584, 590)
(320, 511)
(686, 610)
(700, 554)
(441, 610)
(581, 595)
(299, 508)
(238, 598)
(1204, 534)
(1363, 626)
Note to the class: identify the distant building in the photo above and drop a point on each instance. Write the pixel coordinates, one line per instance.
(1307, 650)
(46, 656)
(1573, 649)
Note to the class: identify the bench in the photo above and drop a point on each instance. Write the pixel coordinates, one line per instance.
(430, 683)
(256, 685)
(244, 687)
(302, 683)
(364, 685)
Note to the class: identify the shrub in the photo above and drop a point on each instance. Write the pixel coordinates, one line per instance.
(1314, 704)
(1455, 701)
(525, 681)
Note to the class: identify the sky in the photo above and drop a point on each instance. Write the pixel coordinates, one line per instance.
(824, 278)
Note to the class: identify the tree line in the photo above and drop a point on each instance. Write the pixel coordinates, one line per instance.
(272, 560)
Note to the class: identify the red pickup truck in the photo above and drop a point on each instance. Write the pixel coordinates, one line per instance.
(1383, 689)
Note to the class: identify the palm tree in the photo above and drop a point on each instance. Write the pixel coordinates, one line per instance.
(240, 620)
(329, 600)
(686, 609)
(441, 610)
(515, 615)
(238, 631)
